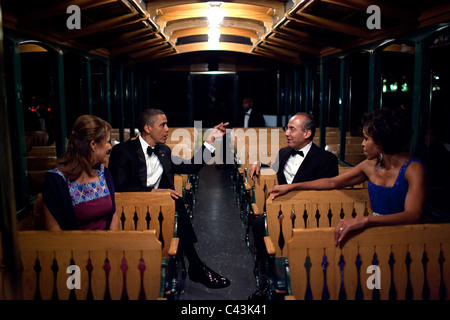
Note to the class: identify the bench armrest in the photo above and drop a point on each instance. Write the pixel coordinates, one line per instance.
(256, 210)
(269, 246)
(173, 246)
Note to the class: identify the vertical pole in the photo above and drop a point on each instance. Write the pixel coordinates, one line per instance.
(296, 91)
(308, 87)
(279, 98)
(120, 100)
(8, 229)
(16, 116)
(343, 105)
(191, 100)
(421, 91)
(236, 101)
(132, 102)
(323, 102)
(107, 91)
(87, 86)
(287, 96)
(59, 102)
(374, 95)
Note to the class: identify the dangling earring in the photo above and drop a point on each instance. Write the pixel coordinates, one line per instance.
(380, 157)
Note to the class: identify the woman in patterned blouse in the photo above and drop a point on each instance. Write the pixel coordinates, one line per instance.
(79, 193)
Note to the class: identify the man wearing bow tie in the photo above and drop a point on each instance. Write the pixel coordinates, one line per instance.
(252, 117)
(300, 161)
(147, 164)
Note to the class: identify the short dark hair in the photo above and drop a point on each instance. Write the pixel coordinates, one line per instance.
(309, 124)
(389, 128)
(148, 116)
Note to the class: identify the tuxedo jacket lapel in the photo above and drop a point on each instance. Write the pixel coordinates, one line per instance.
(166, 162)
(284, 156)
(142, 165)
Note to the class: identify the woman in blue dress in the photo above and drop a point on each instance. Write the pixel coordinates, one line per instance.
(397, 185)
(79, 193)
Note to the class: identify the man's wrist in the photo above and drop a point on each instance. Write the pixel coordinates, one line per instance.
(209, 146)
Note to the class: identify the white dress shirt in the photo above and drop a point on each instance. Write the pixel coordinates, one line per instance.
(247, 117)
(294, 162)
(154, 167)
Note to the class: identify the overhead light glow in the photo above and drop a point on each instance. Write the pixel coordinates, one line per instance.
(215, 14)
(213, 38)
(215, 18)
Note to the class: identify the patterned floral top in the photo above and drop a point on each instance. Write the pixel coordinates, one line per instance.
(91, 201)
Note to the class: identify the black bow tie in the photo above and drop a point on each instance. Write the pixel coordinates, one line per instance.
(247, 114)
(150, 151)
(294, 152)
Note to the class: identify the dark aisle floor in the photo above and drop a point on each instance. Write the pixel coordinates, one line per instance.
(220, 234)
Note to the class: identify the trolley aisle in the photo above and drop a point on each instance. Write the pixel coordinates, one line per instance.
(220, 234)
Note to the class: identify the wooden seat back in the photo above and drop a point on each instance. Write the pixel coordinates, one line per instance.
(183, 141)
(266, 180)
(42, 151)
(41, 163)
(311, 210)
(36, 138)
(148, 211)
(411, 261)
(112, 265)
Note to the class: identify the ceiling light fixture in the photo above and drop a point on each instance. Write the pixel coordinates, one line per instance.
(215, 17)
(215, 13)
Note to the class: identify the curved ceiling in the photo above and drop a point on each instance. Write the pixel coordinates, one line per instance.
(287, 31)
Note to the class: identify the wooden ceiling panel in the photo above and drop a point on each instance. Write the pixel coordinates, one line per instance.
(276, 29)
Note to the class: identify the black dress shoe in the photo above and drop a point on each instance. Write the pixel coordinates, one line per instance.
(207, 277)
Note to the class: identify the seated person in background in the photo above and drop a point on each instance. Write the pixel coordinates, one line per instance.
(251, 116)
(79, 193)
(147, 164)
(397, 183)
(300, 161)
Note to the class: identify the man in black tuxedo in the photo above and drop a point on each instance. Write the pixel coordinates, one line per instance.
(300, 161)
(251, 116)
(147, 164)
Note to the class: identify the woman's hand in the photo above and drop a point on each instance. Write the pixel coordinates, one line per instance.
(346, 225)
(278, 190)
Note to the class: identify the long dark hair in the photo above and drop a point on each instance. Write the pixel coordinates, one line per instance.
(78, 158)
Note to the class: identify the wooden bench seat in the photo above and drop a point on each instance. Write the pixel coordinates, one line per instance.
(136, 211)
(312, 209)
(268, 179)
(113, 265)
(153, 211)
(149, 211)
(305, 210)
(412, 260)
